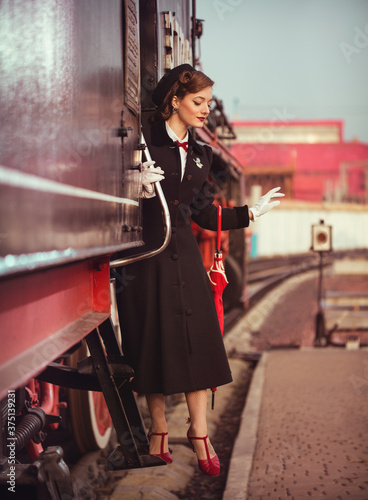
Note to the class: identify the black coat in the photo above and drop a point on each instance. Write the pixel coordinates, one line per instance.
(170, 331)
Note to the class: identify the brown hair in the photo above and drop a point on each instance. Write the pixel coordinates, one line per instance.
(187, 83)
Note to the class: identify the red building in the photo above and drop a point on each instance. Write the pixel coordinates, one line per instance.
(309, 160)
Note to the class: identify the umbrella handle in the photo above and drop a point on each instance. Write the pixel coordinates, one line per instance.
(219, 218)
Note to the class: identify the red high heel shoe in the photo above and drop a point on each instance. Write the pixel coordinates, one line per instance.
(210, 466)
(164, 455)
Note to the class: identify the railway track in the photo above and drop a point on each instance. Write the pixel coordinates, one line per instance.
(263, 274)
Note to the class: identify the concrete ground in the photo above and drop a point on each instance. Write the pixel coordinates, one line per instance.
(305, 431)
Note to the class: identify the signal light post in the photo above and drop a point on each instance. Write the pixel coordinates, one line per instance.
(321, 242)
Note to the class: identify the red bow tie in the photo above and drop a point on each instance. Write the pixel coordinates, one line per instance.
(183, 145)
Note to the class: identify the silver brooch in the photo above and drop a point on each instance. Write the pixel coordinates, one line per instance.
(197, 161)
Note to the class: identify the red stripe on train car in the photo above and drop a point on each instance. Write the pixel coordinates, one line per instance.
(44, 313)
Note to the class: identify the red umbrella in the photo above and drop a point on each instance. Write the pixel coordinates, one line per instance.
(218, 282)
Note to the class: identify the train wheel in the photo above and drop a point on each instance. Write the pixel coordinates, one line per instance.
(91, 421)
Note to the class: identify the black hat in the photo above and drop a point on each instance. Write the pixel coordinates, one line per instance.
(167, 81)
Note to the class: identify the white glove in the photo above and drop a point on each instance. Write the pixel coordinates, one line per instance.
(263, 206)
(150, 175)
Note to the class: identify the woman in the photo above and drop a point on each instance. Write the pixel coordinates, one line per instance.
(171, 335)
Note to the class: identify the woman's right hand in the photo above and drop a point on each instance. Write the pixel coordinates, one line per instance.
(150, 175)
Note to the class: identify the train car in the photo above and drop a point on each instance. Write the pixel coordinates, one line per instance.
(77, 79)
(70, 191)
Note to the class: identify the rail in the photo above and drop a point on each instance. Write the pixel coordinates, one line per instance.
(167, 221)
(266, 274)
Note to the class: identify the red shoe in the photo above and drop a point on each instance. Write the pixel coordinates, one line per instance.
(210, 466)
(164, 455)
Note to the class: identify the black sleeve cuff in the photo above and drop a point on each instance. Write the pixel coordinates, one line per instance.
(242, 214)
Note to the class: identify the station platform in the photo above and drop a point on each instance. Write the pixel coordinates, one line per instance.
(304, 432)
(304, 428)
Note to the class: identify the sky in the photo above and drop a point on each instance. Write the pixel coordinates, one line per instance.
(289, 59)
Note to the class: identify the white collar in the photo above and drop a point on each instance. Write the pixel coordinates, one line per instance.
(173, 136)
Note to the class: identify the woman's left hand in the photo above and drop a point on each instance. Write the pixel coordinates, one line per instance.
(263, 205)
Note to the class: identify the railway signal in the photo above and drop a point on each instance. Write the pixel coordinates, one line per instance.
(321, 237)
(321, 242)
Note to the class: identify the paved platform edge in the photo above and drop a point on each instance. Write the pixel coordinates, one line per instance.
(246, 440)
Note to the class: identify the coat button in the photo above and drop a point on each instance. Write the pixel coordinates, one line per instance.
(188, 312)
(174, 256)
(175, 203)
(189, 177)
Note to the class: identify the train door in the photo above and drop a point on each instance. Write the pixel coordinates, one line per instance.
(131, 116)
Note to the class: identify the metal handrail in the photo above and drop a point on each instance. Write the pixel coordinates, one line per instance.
(167, 222)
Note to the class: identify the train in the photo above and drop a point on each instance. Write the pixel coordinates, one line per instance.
(77, 80)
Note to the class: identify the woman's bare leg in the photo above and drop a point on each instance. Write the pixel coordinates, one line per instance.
(156, 407)
(197, 406)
